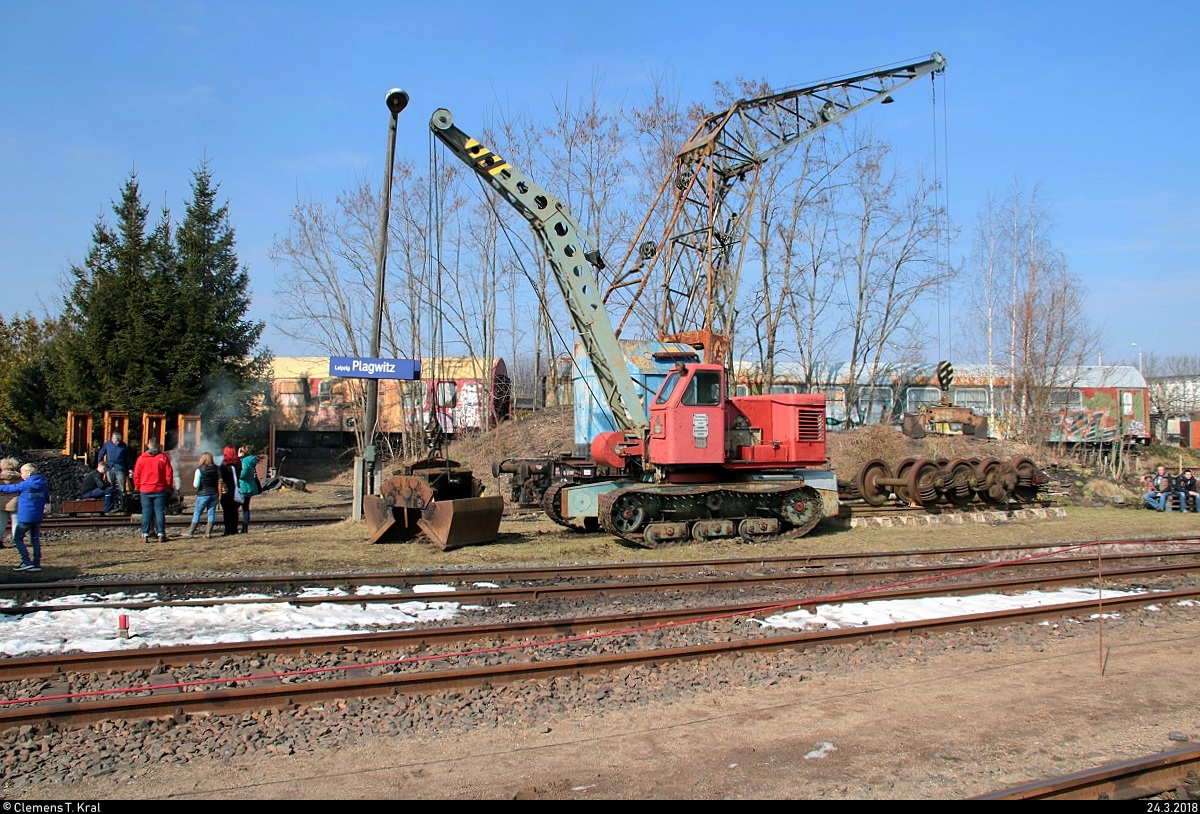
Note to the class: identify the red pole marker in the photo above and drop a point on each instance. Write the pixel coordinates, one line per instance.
(123, 626)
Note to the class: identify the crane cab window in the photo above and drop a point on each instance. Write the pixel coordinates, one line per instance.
(704, 390)
(668, 387)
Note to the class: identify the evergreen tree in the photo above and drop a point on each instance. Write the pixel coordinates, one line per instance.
(215, 353)
(155, 321)
(102, 363)
(28, 373)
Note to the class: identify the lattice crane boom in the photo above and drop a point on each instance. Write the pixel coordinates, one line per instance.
(715, 176)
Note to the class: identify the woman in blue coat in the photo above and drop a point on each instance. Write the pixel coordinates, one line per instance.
(247, 483)
(32, 496)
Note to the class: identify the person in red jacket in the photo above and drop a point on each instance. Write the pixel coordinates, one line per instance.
(154, 479)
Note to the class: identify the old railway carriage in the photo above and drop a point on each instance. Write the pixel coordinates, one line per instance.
(1098, 404)
(310, 408)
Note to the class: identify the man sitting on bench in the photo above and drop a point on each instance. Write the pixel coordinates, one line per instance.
(95, 485)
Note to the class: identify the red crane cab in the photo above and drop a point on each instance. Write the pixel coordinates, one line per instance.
(697, 433)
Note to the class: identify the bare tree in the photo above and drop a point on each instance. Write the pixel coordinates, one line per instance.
(983, 291)
(328, 260)
(1051, 334)
(582, 158)
(791, 244)
(658, 128)
(891, 263)
(1174, 383)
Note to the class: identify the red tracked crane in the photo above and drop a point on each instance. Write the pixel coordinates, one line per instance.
(700, 464)
(694, 463)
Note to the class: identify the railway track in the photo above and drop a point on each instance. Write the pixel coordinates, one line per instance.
(460, 677)
(922, 576)
(109, 521)
(18, 593)
(1176, 773)
(494, 586)
(441, 659)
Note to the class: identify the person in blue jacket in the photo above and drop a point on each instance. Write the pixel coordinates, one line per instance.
(116, 456)
(32, 496)
(248, 483)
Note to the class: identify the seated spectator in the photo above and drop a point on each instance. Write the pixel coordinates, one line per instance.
(95, 484)
(1186, 483)
(1165, 485)
(1153, 499)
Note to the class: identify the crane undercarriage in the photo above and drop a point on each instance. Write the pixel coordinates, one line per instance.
(655, 515)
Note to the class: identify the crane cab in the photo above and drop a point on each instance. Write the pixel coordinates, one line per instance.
(687, 418)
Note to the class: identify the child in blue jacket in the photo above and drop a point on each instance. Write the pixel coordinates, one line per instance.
(32, 496)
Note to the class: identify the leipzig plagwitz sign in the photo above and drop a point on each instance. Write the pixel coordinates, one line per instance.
(359, 367)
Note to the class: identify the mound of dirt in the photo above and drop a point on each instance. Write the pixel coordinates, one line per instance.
(849, 450)
(548, 432)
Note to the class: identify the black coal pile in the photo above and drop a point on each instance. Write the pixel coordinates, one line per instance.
(62, 474)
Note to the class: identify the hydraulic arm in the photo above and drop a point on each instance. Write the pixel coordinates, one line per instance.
(570, 258)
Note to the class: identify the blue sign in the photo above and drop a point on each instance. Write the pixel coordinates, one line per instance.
(358, 367)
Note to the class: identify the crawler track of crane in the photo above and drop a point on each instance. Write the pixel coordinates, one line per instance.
(654, 515)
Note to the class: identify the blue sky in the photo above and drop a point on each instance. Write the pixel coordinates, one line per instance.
(1091, 101)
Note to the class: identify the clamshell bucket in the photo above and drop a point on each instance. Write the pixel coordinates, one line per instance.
(437, 498)
(467, 521)
(393, 515)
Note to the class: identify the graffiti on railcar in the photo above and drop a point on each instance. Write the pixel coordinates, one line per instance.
(465, 394)
(1083, 427)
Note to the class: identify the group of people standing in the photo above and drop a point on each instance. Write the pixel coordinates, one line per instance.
(1163, 488)
(24, 493)
(230, 484)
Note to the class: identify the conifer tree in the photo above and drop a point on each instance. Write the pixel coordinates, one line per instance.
(216, 352)
(28, 372)
(103, 358)
(156, 322)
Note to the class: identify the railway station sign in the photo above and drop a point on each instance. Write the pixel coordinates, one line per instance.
(366, 367)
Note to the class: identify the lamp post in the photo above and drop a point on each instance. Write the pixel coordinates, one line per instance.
(396, 100)
(1139, 347)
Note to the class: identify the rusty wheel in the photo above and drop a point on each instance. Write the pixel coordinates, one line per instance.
(869, 486)
(1028, 478)
(925, 483)
(1005, 483)
(628, 513)
(960, 482)
(902, 470)
(990, 486)
(1026, 471)
(802, 509)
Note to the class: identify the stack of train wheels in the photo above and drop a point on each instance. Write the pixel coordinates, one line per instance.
(925, 483)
